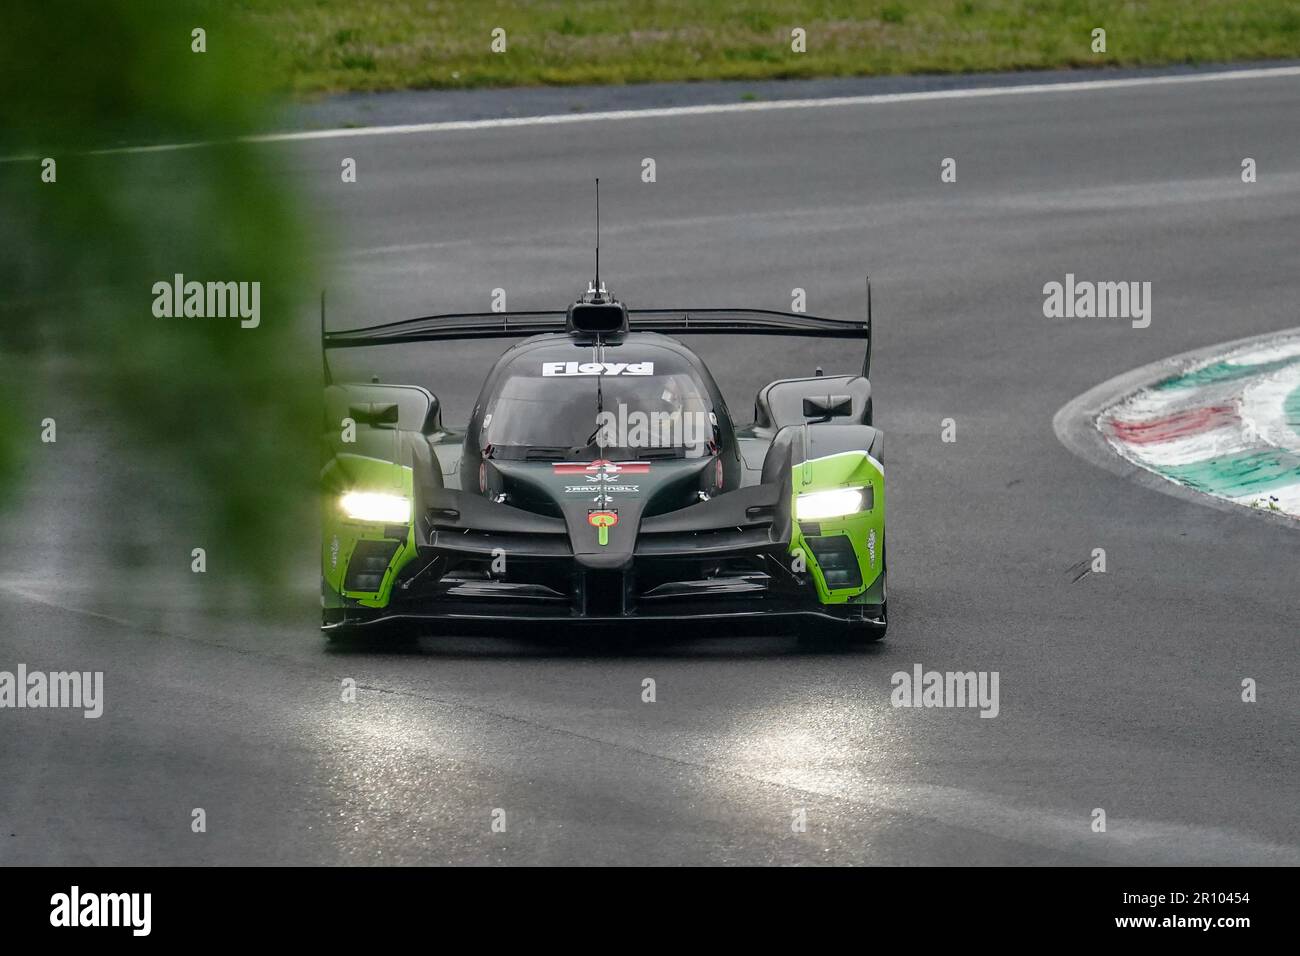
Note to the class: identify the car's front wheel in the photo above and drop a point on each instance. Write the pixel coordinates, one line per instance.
(865, 630)
(868, 632)
(344, 636)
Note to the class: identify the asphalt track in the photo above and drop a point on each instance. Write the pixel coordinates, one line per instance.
(1118, 691)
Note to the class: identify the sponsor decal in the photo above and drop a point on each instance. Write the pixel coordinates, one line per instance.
(562, 369)
(610, 489)
(602, 467)
(602, 521)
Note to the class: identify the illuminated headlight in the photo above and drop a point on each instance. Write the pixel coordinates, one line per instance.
(373, 506)
(818, 505)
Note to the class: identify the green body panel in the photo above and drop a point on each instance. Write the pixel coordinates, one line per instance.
(341, 533)
(865, 529)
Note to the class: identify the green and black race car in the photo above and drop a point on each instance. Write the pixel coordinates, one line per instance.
(601, 479)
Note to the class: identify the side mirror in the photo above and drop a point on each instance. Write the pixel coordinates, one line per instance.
(433, 420)
(376, 414)
(824, 408)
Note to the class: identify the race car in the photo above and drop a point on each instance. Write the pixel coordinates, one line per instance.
(601, 480)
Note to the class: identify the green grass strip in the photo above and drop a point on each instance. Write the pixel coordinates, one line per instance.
(365, 45)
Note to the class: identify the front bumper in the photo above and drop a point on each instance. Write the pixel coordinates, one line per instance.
(481, 621)
(749, 584)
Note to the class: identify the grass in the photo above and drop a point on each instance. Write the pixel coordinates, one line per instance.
(327, 46)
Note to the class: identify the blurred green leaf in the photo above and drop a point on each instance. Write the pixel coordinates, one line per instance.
(215, 423)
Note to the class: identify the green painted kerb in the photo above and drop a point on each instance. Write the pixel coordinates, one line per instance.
(1222, 372)
(1236, 475)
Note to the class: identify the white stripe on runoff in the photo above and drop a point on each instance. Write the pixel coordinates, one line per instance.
(1215, 443)
(1286, 499)
(1157, 403)
(1270, 353)
(1262, 407)
(713, 109)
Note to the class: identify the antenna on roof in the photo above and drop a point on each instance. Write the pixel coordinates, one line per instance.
(596, 294)
(598, 235)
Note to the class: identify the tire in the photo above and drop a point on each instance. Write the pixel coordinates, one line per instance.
(876, 632)
(864, 633)
(342, 636)
(871, 633)
(856, 632)
(372, 637)
(848, 633)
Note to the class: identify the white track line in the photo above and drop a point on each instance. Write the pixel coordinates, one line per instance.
(712, 109)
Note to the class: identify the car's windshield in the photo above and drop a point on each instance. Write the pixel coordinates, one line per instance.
(556, 415)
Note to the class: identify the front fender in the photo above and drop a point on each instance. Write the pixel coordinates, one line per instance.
(844, 555)
(360, 559)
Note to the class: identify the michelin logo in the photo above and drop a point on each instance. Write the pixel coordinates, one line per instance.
(551, 369)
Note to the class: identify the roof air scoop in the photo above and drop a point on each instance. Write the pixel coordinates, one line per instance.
(597, 318)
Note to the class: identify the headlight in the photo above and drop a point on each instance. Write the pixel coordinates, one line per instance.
(373, 506)
(835, 503)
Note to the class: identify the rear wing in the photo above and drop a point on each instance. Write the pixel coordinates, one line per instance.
(491, 325)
